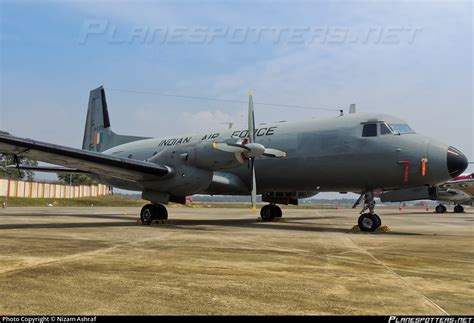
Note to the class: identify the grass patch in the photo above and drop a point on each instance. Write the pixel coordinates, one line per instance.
(125, 201)
(109, 200)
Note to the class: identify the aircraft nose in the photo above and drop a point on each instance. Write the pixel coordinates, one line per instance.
(456, 161)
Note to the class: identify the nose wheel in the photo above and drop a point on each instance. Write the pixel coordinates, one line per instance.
(368, 221)
(152, 212)
(270, 212)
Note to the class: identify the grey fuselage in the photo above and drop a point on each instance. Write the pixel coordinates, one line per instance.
(325, 155)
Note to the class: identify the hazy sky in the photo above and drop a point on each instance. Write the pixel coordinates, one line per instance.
(411, 59)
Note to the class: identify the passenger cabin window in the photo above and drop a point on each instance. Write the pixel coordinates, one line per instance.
(369, 130)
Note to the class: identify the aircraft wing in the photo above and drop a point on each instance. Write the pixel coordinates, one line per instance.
(86, 161)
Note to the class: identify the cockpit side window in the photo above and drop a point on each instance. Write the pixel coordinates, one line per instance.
(384, 129)
(369, 130)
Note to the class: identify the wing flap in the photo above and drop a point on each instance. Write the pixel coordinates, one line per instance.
(87, 161)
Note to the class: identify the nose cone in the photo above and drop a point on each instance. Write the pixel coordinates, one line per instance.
(457, 162)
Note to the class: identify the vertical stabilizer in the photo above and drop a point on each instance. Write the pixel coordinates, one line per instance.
(98, 135)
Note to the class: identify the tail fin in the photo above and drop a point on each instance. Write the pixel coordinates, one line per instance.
(98, 135)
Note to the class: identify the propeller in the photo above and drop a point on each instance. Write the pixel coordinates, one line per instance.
(257, 150)
(249, 149)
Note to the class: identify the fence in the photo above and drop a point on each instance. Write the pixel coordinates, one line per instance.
(15, 188)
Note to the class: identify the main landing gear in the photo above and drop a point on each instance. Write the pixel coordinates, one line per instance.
(152, 212)
(440, 208)
(368, 221)
(270, 212)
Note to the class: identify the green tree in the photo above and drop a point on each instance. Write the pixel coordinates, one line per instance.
(7, 160)
(75, 179)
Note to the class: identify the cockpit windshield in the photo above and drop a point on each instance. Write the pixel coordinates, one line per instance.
(401, 129)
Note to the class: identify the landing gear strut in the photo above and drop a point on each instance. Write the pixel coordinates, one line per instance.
(369, 221)
(152, 212)
(270, 211)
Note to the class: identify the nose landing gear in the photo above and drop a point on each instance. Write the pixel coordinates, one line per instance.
(368, 221)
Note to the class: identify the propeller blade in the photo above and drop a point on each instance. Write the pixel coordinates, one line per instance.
(253, 195)
(231, 148)
(269, 152)
(251, 117)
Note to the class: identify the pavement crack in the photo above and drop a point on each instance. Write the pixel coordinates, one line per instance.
(403, 280)
(76, 256)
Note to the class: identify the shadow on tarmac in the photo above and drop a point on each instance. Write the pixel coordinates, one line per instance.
(289, 224)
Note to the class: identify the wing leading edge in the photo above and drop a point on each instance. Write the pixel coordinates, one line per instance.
(87, 161)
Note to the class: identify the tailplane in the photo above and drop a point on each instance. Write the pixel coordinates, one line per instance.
(98, 135)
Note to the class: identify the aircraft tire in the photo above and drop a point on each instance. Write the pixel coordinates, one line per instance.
(368, 222)
(458, 209)
(161, 213)
(147, 214)
(267, 213)
(440, 209)
(379, 220)
(277, 211)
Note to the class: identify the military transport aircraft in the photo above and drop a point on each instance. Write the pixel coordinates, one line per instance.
(356, 152)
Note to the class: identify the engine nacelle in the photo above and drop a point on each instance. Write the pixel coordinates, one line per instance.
(186, 180)
(207, 157)
(201, 155)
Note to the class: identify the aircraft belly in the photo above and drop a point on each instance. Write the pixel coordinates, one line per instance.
(303, 174)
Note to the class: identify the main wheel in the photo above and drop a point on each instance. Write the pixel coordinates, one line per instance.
(277, 213)
(267, 213)
(147, 214)
(368, 222)
(458, 209)
(440, 208)
(161, 213)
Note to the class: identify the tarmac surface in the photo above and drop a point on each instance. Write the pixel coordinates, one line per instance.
(225, 261)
